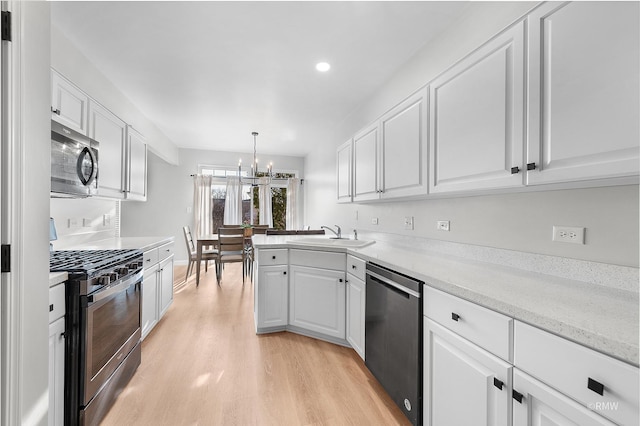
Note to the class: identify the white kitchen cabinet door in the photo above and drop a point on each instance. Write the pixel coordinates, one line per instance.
(365, 164)
(69, 105)
(149, 305)
(110, 132)
(165, 276)
(56, 373)
(317, 300)
(356, 300)
(536, 404)
(583, 104)
(463, 384)
(136, 166)
(343, 168)
(476, 119)
(404, 148)
(272, 290)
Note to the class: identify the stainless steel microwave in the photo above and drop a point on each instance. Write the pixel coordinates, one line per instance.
(74, 163)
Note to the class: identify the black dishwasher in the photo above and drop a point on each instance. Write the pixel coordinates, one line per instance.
(393, 336)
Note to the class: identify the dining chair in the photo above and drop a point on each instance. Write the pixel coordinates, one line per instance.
(231, 249)
(207, 254)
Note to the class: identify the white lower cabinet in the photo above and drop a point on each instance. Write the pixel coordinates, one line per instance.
(469, 379)
(272, 294)
(157, 286)
(317, 300)
(56, 354)
(463, 384)
(356, 300)
(149, 308)
(536, 404)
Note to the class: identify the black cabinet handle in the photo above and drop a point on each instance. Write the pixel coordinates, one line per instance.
(55, 111)
(353, 267)
(498, 383)
(51, 309)
(515, 170)
(341, 280)
(517, 396)
(531, 166)
(595, 386)
(455, 316)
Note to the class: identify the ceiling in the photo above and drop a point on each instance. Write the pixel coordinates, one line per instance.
(209, 73)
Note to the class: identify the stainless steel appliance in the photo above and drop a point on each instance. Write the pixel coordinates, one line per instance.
(74, 163)
(102, 330)
(393, 336)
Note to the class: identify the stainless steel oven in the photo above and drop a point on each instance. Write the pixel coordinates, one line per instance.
(102, 349)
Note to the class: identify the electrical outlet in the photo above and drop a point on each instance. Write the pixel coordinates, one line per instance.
(72, 222)
(568, 234)
(86, 223)
(374, 220)
(442, 225)
(408, 223)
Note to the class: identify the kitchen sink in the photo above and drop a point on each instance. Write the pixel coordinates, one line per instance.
(331, 242)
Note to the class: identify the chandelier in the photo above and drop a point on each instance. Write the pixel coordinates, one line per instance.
(254, 174)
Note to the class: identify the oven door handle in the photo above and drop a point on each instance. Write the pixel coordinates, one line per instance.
(393, 284)
(118, 288)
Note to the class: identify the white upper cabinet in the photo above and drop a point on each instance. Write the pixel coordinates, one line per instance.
(136, 170)
(403, 156)
(69, 105)
(365, 164)
(110, 132)
(344, 181)
(477, 118)
(583, 103)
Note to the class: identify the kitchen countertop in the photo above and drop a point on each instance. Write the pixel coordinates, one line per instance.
(600, 317)
(140, 243)
(56, 278)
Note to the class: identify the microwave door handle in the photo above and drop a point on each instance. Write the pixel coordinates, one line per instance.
(94, 164)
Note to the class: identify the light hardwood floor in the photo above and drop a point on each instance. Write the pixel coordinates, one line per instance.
(203, 364)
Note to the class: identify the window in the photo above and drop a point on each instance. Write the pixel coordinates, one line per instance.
(250, 197)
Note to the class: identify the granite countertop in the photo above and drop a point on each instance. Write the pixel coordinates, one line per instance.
(140, 243)
(603, 318)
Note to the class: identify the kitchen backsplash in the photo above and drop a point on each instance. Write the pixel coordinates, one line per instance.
(614, 276)
(82, 220)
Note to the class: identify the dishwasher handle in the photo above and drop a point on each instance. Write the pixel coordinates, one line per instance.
(384, 280)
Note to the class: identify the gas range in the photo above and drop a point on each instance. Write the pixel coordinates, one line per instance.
(96, 269)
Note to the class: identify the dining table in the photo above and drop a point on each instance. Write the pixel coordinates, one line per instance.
(206, 241)
(203, 241)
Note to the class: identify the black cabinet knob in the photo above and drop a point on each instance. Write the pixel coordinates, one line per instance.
(531, 166)
(515, 170)
(595, 386)
(51, 307)
(273, 257)
(285, 272)
(455, 316)
(341, 280)
(498, 383)
(517, 396)
(353, 267)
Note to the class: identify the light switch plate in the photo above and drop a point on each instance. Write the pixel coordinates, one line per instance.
(374, 220)
(442, 225)
(408, 223)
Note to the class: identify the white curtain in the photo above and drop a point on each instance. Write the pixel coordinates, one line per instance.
(233, 202)
(293, 204)
(203, 217)
(264, 200)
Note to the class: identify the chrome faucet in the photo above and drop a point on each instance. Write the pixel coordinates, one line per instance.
(338, 234)
(355, 234)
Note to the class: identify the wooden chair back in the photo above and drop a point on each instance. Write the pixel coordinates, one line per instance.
(260, 229)
(188, 238)
(231, 241)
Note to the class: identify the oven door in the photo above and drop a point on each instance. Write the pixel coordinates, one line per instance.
(112, 329)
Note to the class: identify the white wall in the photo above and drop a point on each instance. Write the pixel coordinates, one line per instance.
(170, 193)
(521, 221)
(81, 220)
(68, 61)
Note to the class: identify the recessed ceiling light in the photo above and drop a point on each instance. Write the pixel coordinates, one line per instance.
(323, 66)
